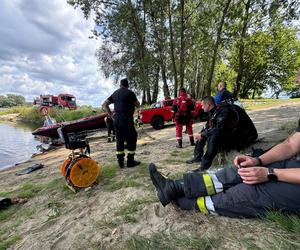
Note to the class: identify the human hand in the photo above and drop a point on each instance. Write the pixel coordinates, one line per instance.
(253, 175)
(241, 161)
(197, 136)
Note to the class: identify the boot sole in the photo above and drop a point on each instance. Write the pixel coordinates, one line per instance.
(161, 197)
(132, 166)
(192, 162)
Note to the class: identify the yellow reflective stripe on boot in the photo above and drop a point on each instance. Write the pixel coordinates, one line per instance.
(209, 184)
(120, 152)
(131, 152)
(201, 205)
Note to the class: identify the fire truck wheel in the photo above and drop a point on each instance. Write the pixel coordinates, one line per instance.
(158, 122)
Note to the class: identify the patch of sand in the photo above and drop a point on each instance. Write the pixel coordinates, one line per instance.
(10, 117)
(101, 219)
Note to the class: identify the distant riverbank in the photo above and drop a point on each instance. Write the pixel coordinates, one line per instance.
(31, 115)
(10, 117)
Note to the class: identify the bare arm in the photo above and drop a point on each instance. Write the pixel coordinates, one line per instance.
(291, 175)
(282, 151)
(255, 175)
(105, 106)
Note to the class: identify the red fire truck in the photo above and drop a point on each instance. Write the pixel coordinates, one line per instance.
(45, 102)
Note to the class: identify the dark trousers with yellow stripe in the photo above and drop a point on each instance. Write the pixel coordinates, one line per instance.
(224, 193)
(110, 129)
(125, 131)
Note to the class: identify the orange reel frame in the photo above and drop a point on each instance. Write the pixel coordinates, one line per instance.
(81, 171)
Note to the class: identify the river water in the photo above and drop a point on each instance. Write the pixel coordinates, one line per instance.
(17, 144)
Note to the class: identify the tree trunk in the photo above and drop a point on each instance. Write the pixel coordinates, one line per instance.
(148, 95)
(182, 44)
(215, 49)
(242, 51)
(172, 51)
(155, 85)
(143, 98)
(192, 84)
(160, 48)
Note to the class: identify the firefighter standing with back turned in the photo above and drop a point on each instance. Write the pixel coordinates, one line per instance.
(182, 108)
(124, 101)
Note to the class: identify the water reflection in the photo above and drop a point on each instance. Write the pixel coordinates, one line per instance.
(17, 143)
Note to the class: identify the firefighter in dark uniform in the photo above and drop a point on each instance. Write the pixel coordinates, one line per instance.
(124, 101)
(249, 189)
(228, 127)
(182, 108)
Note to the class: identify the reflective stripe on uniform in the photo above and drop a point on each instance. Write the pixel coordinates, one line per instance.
(201, 205)
(217, 184)
(120, 152)
(210, 205)
(179, 138)
(131, 152)
(209, 184)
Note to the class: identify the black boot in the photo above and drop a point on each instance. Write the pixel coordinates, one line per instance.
(192, 141)
(108, 139)
(121, 160)
(179, 143)
(167, 190)
(193, 160)
(131, 162)
(198, 152)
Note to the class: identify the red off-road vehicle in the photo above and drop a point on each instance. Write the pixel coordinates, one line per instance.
(161, 112)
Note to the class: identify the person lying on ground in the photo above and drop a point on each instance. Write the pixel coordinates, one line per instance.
(249, 189)
(228, 127)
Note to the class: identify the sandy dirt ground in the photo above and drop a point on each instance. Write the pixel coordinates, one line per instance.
(122, 210)
(10, 118)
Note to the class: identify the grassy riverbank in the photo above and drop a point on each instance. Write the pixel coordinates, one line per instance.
(31, 114)
(255, 104)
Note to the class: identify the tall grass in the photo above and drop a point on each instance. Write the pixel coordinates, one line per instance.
(173, 241)
(288, 222)
(252, 104)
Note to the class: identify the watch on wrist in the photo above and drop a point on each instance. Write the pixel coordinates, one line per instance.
(271, 175)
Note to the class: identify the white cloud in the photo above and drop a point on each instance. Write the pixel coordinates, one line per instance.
(44, 48)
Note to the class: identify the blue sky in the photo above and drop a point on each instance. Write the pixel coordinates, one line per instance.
(45, 49)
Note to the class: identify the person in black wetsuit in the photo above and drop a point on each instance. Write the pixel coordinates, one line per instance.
(228, 127)
(124, 101)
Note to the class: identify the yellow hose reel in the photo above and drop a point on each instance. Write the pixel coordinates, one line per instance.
(80, 171)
